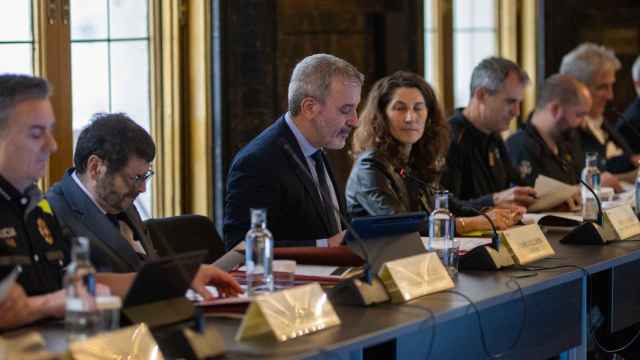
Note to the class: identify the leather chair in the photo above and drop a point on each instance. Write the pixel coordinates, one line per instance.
(185, 233)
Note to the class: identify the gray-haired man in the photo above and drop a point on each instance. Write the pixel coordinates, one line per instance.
(478, 167)
(284, 169)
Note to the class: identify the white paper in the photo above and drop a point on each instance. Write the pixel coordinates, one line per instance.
(551, 193)
(530, 218)
(466, 243)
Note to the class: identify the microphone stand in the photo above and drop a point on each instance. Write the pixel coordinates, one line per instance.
(588, 232)
(480, 257)
(365, 291)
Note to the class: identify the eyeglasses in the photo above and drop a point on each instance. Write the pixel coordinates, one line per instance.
(139, 179)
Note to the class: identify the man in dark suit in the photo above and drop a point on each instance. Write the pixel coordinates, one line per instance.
(596, 66)
(284, 169)
(30, 235)
(629, 124)
(95, 199)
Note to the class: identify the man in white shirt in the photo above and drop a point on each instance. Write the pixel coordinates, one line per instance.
(596, 67)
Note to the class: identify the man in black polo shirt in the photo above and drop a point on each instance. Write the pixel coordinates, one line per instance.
(544, 145)
(478, 168)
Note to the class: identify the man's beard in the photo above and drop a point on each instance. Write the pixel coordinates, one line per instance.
(110, 197)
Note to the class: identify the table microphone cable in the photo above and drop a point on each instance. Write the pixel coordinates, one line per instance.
(592, 333)
(483, 337)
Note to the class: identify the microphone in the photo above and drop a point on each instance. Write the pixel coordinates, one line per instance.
(588, 233)
(599, 218)
(480, 257)
(495, 238)
(370, 289)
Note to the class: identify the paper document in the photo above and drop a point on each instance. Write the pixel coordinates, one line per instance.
(551, 193)
(466, 243)
(8, 281)
(555, 221)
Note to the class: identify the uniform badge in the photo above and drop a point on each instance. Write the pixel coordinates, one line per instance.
(44, 231)
(7, 232)
(525, 168)
(44, 205)
(492, 159)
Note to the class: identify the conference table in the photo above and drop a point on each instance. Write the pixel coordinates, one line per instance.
(523, 314)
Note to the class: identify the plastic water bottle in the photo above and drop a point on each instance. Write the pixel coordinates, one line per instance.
(590, 175)
(82, 318)
(442, 238)
(259, 254)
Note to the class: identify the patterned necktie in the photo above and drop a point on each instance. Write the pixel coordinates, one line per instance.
(325, 193)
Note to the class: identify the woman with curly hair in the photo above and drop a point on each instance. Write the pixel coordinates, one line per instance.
(400, 147)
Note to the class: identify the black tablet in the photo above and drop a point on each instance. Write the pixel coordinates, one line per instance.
(164, 278)
(387, 238)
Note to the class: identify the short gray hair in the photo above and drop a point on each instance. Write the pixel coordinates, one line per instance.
(16, 88)
(312, 77)
(563, 89)
(587, 59)
(491, 73)
(635, 70)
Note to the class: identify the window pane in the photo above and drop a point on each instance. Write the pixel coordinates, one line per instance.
(15, 21)
(90, 82)
(88, 19)
(429, 45)
(128, 18)
(469, 49)
(429, 66)
(16, 58)
(428, 14)
(130, 80)
(474, 14)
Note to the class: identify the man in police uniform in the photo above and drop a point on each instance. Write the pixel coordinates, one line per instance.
(543, 145)
(478, 168)
(29, 234)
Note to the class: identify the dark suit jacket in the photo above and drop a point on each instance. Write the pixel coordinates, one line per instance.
(269, 174)
(77, 214)
(617, 164)
(629, 126)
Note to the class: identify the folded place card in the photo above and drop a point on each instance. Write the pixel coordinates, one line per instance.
(622, 222)
(526, 243)
(205, 345)
(133, 342)
(414, 276)
(288, 314)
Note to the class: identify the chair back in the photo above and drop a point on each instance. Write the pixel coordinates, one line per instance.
(185, 233)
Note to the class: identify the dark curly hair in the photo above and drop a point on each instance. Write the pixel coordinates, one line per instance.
(113, 137)
(373, 133)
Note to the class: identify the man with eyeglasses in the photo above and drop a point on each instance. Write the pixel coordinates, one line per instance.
(96, 198)
(31, 238)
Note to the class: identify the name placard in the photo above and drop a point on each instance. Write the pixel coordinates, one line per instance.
(527, 243)
(623, 221)
(288, 314)
(414, 276)
(131, 342)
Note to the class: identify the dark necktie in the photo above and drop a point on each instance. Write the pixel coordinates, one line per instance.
(325, 193)
(113, 218)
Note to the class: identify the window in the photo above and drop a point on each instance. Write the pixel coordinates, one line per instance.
(110, 66)
(430, 33)
(16, 38)
(474, 38)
